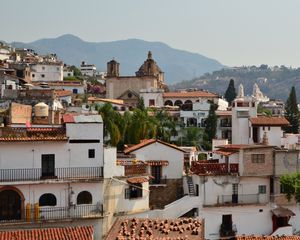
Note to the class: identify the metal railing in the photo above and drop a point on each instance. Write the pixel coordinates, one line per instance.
(239, 199)
(34, 174)
(41, 214)
(157, 181)
(214, 168)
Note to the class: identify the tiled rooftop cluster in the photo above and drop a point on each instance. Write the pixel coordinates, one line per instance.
(181, 229)
(67, 233)
(214, 168)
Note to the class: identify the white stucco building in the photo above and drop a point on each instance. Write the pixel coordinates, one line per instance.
(46, 72)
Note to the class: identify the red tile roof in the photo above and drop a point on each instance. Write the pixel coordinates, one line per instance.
(137, 180)
(158, 162)
(63, 93)
(225, 153)
(68, 118)
(195, 94)
(232, 147)
(147, 142)
(269, 121)
(66, 233)
(33, 139)
(143, 229)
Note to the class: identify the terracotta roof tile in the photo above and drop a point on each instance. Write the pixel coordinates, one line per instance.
(269, 121)
(195, 94)
(241, 146)
(137, 180)
(32, 139)
(66, 233)
(63, 93)
(225, 153)
(142, 229)
(147, 142)
(68, 118)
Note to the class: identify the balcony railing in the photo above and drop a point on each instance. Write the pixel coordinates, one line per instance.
(59, 213)
(214, 168)
(158, 181)
(225, 124)
(239, 199)
(137, 169)
(34, 174)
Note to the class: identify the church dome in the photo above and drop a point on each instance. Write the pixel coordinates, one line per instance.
(149, 67)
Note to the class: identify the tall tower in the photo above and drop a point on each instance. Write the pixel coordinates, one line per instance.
(113, 68)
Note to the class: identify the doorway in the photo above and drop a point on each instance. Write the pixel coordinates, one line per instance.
(10, 205)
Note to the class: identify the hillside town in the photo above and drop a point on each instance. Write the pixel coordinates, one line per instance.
(89, 155)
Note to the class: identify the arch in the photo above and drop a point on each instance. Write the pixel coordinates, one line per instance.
(178, 103)
(84, 197)
(188, 105)
(12, 204)
(47, 199)
(168, 103)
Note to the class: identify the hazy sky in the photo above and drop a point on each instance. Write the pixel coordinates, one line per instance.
(235, 32)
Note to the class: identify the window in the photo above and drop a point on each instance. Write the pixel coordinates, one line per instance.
(75, 90)
(262, 189)
(134, 191)
(84, 197)
(33, 75)
(269, 128)
(242, 114)
(43, 68)
(258, 158)
(42, 75)
(151, 102)
(91, 153)
(156, 173)
(47, 199)
(48, 165)
(281, 189)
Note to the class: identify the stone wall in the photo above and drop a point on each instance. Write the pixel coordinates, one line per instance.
(258, 169)
(161, 195)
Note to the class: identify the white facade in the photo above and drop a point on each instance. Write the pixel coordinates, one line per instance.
(152, 97)
(242, 110)
(161, 152)
(88, 69)
(46, 72)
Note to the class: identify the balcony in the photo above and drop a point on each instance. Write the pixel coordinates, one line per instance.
(43, 214)
(35, 174)
(158, 181)
(225, 124)
(214, 168)
(237, 199)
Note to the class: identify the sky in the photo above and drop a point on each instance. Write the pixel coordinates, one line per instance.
(234, 32)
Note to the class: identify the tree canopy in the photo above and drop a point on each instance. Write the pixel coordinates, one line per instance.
(292, 112)
(230, 93)
(290, 184)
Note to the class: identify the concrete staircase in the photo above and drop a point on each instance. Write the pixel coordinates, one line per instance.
(191, 186)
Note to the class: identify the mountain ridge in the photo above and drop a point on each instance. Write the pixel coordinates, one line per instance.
(177, 64)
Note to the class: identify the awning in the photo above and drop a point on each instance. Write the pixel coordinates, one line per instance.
(282, 212)
(137, 180)
(157, 162)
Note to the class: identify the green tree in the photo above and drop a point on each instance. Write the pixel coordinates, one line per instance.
(264, 111)
(292, 112)
(110, 119)
(230, 93)
(211, 123)
(290, 184)
(141, 104)
(192, 136)
(76, 71)
(165, 127)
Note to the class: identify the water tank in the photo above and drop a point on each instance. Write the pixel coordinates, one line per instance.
(41, 110)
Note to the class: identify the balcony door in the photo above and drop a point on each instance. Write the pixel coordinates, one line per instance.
(48, 165)
(10, 205)
(156, 174)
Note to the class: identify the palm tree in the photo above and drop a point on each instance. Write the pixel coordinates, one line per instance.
(165, 126)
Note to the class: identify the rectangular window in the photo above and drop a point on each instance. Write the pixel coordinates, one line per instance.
(48, 165)
(151, 102)
(258, 158)
(156, 173)
(262, 189)
(91, 153)
(134, 191)
(243, 114)
(281, 189)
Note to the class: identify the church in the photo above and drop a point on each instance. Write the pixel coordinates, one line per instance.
(127, 88)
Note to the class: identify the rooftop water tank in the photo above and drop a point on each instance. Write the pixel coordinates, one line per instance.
(41, 110)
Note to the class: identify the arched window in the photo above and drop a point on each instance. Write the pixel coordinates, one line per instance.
(84, 197)
(178, 103)
(168, 103)
(47, 199)
(187, 106)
